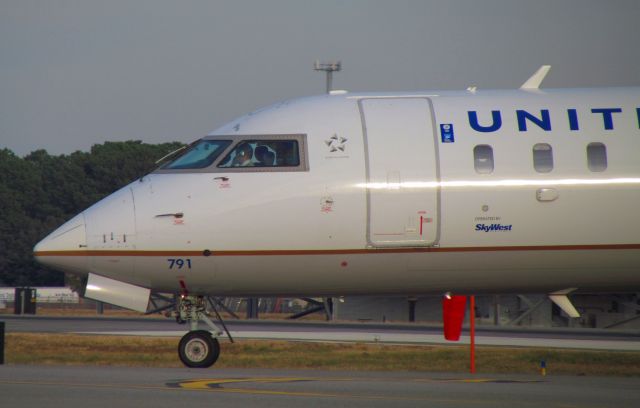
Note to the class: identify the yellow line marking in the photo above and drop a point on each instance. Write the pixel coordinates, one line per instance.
(204, 385)
(207, 383)
(207, 389)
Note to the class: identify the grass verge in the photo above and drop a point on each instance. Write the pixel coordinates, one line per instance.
(67, 349)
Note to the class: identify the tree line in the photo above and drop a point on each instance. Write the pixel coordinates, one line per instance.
(39, 192)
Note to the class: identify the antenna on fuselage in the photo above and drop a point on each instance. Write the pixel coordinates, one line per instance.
(329, 68)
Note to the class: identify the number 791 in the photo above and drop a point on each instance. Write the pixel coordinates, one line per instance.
(179, 263)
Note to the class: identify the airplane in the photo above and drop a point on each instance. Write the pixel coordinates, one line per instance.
(460, 192)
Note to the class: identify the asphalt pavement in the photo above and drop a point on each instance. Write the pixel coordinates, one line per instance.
(108, 387)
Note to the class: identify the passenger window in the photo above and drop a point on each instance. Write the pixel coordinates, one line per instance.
(263, 153)
(202, 154)
(597, 157)
(483, 159)
(542, 158)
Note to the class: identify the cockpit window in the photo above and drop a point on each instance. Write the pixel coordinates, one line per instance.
(263, 153)
(202, 154)
(254, 153)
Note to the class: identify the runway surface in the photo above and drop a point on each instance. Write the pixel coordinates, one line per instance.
(336, 332)
(109, 387)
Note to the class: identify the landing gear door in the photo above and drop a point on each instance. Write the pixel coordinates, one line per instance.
(402, 172)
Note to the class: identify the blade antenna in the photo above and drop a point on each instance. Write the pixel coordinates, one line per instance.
(537, 78)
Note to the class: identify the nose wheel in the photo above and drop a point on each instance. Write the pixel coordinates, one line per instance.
(198, 349)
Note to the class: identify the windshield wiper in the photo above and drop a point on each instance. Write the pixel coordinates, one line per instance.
(160, 160)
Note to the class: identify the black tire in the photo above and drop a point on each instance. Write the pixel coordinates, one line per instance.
(197, 349)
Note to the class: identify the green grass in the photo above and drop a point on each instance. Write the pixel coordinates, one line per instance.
(67, 349)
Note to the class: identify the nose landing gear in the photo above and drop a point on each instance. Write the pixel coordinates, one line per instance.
(198, 348)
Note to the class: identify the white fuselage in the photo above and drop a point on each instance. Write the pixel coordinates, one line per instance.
(395, 194)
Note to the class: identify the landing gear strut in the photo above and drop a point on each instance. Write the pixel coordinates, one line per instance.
(198, 348)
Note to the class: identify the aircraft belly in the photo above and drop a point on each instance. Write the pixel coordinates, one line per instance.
(418, 273)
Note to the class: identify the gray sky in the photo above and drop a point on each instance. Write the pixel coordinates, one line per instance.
(76, 73)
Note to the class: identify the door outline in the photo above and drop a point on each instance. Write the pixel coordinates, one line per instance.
(436, 158)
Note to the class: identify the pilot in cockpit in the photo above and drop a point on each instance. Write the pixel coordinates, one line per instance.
(243, 156)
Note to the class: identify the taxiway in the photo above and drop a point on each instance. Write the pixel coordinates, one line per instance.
(107, 387)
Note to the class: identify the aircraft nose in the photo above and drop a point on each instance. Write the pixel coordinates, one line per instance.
(64, 248)
(110, 223)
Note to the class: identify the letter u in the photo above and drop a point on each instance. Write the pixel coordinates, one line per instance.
(495, 125)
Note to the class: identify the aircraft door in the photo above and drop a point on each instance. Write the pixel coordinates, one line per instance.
(402, 172)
